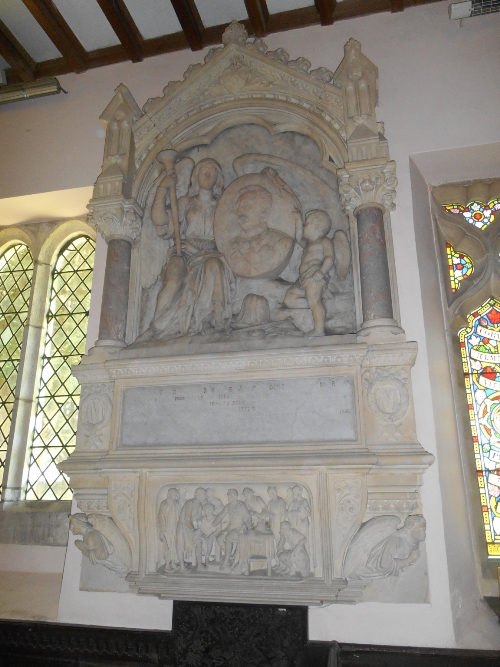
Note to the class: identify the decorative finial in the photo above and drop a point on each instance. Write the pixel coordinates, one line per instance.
(235, 33)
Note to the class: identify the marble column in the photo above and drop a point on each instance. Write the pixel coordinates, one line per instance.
(113, 322)
(375, 281)
(367, 190)
(120, 224)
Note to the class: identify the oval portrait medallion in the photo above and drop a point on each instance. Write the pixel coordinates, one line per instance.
(256, 223)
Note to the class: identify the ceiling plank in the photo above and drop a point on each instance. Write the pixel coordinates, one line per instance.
(191, 22)
(59, 32)
(326, 10)
(397, 6)
(279, 22)
(12, 51)
(123, 24)
(259, 15)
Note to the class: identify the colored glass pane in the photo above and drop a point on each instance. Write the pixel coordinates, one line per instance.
(480, 350)
(460, 266)
(16, 271)
(59, 393)
(478, 214)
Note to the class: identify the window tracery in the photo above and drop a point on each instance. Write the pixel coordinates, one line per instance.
(476, 213)
(59, 391)
(460, 266)
(480, 351)
(16, 270)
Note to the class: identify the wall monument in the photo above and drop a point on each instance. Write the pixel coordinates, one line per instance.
(246, 430)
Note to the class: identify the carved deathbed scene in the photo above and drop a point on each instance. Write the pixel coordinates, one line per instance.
(246, 429)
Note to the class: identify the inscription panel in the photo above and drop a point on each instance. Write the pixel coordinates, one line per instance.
(271, 411)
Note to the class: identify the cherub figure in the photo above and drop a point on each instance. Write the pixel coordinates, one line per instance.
(317, 261)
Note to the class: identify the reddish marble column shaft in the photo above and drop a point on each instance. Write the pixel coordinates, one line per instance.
(373, 265)
(115, 293)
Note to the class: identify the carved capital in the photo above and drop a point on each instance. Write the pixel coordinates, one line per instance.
(116, 220)
(368, 185)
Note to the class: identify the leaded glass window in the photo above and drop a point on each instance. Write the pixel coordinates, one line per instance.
(59, 392)
(480, 350)
(16, 271)
(477, 213)
(460, 266)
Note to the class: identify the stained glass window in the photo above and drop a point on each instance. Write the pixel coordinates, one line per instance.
(16, 271)
(478, 214)
(480, 349)
(59, 393)
(460, 266)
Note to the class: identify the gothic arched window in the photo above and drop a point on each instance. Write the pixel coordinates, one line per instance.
(59, 392)
(472, 257)
(480, 350)
(16, 271)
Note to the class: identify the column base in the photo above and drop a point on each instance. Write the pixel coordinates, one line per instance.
(105, 349)
(381, 331)
(10, 496)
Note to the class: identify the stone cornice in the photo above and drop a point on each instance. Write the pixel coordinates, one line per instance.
(237, 362)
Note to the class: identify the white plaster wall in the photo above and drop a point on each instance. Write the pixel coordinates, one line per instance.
(438, 89)
(30, 581)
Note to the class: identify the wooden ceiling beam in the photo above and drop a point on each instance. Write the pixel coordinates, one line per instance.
(259, 15)
(12, 51)
(191, 22)
(280, 22)
(124, 26)
(53, 24)
(397, 6)
(326, 10)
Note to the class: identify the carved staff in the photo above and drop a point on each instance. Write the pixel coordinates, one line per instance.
(168, 159)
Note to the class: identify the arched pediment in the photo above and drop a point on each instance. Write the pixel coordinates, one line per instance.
(243, 82)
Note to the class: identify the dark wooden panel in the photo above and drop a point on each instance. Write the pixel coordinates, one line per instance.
(227, 635)
(59, 32)
(366, 655)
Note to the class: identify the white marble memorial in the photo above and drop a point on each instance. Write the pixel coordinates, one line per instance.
(246, 428)
(298, 410)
